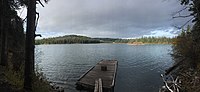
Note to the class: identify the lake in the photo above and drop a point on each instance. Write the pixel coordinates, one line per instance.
(139, 67)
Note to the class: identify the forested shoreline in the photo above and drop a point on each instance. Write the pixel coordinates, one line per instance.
(146, 40)
(68, 39)
(74, 39)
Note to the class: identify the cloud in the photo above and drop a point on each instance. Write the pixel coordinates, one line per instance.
(107, 18)
(171, 32)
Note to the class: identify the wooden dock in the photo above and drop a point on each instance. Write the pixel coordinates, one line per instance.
(105, 71)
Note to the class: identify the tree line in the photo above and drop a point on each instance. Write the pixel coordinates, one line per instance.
(71, 39)
(147, 40)
(68, 39)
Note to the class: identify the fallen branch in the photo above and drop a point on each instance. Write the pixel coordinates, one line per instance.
(171, 86)
(166, 84)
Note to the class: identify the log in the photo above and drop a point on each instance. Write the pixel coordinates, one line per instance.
(173, 67)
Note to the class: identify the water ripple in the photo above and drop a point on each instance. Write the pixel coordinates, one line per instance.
(139, 67)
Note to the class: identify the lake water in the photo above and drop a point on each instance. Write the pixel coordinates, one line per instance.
(139, 67)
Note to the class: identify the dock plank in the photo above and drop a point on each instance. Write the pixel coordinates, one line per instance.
(95, 73)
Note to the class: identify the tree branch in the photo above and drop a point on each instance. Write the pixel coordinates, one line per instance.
(165, 82)
(173, 85)
(178, 12)
(38, 16)
(181, 27)
(181, 16)
(24, 19)
(40, 3)
(38, 35)
(187, 22)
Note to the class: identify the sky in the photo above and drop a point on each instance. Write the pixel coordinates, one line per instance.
(108, 18)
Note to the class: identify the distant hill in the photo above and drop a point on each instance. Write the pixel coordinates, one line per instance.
(72, 39)
(107, 40)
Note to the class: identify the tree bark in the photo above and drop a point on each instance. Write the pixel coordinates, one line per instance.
(4, 29)
(4, 47)
(29, 48)
(1, 7)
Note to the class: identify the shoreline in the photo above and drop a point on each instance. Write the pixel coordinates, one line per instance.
(110, 43)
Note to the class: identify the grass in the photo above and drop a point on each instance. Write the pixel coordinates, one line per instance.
(16, 79)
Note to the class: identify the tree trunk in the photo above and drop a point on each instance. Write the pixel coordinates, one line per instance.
(1, 14)
(4, 47)
(29, 48)
(4, 29)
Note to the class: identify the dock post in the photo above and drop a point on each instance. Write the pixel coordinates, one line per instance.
(96, 89)
(100, 85)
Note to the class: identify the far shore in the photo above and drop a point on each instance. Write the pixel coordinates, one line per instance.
(135, 43)
(141, 43)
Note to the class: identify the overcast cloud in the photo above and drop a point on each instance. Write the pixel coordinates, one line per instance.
(108, 18)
